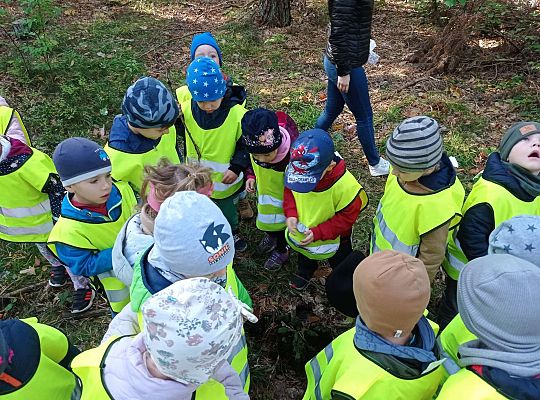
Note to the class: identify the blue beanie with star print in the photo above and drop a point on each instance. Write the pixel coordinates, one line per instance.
(205, 80)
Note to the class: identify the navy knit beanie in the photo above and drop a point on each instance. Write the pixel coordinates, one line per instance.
(149, 104)
(77, 159)
(4, 353)
(205, 81)
(202, 39)
(260, 131)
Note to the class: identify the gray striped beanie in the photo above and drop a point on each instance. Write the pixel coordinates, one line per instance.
(415, 145)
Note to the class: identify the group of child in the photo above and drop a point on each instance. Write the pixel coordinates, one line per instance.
(167, 271)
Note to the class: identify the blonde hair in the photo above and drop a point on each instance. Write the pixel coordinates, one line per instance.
(168, 178)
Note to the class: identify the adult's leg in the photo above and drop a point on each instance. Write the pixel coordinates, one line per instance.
(357, 99)
(339, 284)
(334, 99)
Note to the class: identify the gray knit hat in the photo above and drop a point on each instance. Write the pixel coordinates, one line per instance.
(192, 237)
(415, 145)
(516, 133)
(149, 104)
(518, 236)
(77, 159)
(499, 301)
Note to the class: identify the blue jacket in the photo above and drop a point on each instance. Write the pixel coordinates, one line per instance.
(87, 262)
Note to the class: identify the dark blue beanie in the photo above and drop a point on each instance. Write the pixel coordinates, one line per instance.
(77, 159)
(149, 104)
(205, 80)
(4, 353)
(201, 39)
(260, 131)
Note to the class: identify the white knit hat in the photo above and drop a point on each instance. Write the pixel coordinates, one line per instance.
(191, 328)
(192, 237)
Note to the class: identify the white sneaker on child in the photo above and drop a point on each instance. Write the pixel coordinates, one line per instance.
(380, 169)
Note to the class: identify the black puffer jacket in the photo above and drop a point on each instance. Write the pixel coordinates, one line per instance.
(349, 33)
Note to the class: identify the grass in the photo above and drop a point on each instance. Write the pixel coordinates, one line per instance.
(98, 56)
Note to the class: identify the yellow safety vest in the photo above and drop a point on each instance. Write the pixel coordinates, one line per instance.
(504, 205)
(402, 217)
(239, 356)
(25, 214)
(341, 368)
(315, 208)
(6, 113)
(453, 336)
(216, 146)
(88, 366)
(51, 381)
(97, 237)
(129, 167)
(270, 189)
(467, 385)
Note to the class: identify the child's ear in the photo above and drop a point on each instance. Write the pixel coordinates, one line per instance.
(69, 189)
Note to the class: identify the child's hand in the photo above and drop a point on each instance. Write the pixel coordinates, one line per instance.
(308, 237)
(250, 185)
(343, 83)
(229, 177)
(291, 224)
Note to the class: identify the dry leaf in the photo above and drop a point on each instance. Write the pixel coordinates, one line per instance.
(28, 271)
(285, 101)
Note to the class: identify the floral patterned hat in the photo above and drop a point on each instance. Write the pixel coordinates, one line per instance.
(191, 327)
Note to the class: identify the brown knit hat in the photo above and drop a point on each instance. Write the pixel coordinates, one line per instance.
(392, 291)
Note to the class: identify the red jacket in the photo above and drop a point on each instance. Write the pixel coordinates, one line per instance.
(341, 223)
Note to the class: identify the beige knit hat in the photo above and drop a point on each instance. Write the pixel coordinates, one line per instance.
(392, 291)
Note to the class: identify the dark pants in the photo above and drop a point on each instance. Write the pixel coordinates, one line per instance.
(307, 266)
(228, 208)
(281, 242)
(448, 308)
(357, 99)
(339, 285)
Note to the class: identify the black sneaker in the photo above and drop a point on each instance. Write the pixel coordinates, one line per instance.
(240, 245)
(82, 300)
(58, 276)
(298, 282)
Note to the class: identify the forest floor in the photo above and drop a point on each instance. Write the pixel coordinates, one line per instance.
(103, 45)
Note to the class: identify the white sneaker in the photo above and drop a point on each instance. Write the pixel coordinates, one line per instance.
(382, 168)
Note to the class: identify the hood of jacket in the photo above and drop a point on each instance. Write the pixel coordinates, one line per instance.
(114, 208)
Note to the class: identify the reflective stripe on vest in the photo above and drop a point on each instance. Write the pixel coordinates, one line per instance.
(504, 205)
(454, 335)
(403, 217)
(216, 146)
(25, 215)
(310, 213)
(50, 379)
(342, 368)
(389, 236)
(129, 167)
(270, 190)
(116, 291)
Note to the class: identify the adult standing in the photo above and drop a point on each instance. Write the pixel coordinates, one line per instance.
(346, 52)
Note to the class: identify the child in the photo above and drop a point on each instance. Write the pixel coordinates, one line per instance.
(93, 212)
(212, 114)
(422, 198)
(161, 181)
(30, 202)
(267, 136)
(504, 360)
(34, 361)
(518, 237)
(144, 133)
(322, 201)
(391, 352)
(509, 186)
(192, 239)
(190, 331)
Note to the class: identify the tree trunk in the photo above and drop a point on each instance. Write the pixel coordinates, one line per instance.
(274, 13)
